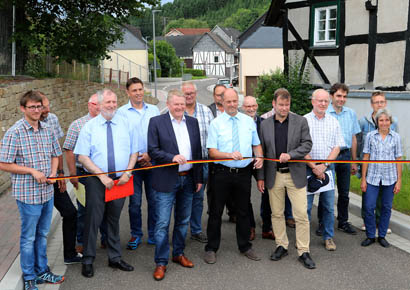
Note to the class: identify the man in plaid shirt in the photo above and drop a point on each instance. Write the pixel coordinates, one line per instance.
(75, 168)
(29, 151)
(204, 116)
(62, 200)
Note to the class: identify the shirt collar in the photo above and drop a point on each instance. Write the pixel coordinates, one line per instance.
(172, 117)
(27, 125)
(286, 120)
(101, 120)
(129, 106)
(330, 109)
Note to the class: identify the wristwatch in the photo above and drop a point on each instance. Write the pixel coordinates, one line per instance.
(326, 164)
(60, 171)
(128, 173)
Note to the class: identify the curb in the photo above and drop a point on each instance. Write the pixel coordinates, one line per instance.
(13, 279)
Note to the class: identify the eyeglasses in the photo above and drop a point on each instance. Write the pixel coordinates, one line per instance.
(95, 104)
(33, 108)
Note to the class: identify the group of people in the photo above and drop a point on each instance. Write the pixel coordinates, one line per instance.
(136, 135)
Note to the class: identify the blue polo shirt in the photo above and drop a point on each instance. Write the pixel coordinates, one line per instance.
(348, 123)
(92, 142)
(220, 137)
(140, 119)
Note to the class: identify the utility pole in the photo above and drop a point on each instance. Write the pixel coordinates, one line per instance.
(155, 52)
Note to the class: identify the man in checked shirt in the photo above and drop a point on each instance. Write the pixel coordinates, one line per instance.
(62, 200)
(75, 168)
(29, 151)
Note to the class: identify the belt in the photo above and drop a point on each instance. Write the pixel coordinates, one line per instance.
(221, 167)
(184, 173)
(283, 169)
(344, 150)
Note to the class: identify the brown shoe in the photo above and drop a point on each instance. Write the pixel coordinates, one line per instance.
(159, 272)
(268, 235)
(183, 261)
(252, 235)
(291, 223)
(79, 249)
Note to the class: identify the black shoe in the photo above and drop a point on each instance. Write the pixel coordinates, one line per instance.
(87, 270)
(319, 231)
(368, 242)
(307, 261)
(383, 242)
(347, 228)
(279, 253)
(123, 266)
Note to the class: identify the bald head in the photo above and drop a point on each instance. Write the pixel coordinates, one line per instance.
(320, 102)
(250, 106)
(93, 106)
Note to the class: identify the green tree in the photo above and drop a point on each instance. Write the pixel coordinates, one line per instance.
(186, 23)
(297, 84)
(170, 63)
(242, 19)
(74, 30)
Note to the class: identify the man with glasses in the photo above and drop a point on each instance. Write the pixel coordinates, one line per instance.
(367, 124)
(75, 168)
(29, 151)
(62, 200)
(327, 140)
(204, 116)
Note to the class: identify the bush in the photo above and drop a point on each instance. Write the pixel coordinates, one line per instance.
(297, 84)
(194, 72)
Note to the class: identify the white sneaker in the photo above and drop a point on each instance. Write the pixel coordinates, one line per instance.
(363, 228)
(389, 230)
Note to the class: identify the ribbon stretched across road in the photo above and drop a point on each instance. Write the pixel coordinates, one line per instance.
(229, 159)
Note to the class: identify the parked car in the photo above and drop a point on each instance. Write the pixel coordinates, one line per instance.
(225, 82)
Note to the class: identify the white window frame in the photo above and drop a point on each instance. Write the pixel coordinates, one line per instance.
(326, 41)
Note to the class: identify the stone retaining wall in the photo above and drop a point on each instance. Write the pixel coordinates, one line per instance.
(68, 99)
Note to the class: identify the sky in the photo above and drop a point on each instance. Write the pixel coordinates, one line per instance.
(166, 1)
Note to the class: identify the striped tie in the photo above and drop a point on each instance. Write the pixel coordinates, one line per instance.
(235, 135)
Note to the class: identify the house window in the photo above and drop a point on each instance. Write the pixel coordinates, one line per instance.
(325, 23)
(216, 58)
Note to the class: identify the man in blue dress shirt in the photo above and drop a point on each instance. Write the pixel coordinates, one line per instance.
(106, 144)
(232, 177)
(138, 114)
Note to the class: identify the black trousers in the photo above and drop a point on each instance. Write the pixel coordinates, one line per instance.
(96, 208)
(228, 183)
(68, 212)
(266, 213)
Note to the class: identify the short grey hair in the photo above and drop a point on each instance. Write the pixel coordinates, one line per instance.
(385, 112)
(102, 93)
(174, 92)
(186, 84)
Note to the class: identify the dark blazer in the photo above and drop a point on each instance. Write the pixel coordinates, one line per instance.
(299, 145)
(162, 147)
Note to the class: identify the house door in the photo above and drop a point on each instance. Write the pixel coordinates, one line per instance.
(251, 83)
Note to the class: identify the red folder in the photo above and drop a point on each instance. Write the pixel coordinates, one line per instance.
(120, 191)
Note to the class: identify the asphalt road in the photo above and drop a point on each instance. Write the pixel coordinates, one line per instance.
(349, 267)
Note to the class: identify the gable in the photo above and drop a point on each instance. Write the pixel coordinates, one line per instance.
(130, 42)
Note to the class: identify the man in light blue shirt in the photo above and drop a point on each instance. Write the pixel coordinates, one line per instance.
(105, 144)
(138, 114)
(350, 127)
(232, 135)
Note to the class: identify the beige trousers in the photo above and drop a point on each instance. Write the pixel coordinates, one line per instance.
(298, 199)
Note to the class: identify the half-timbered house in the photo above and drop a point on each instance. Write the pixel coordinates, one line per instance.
(363, 43)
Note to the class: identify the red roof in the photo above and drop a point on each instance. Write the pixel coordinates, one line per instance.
(192, 31)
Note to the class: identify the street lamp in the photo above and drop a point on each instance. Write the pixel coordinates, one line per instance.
(155, 53)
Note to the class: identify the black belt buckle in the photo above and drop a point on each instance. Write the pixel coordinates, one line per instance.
(283, 170)
(233, 170)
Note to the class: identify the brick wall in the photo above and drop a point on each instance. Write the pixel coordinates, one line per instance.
(68, 99)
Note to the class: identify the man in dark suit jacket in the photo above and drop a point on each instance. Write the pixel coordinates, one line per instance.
(285, 136)
(174, 137)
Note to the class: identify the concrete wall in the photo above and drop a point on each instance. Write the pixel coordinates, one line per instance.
(255, 62)
(120, 60)
(68, 99)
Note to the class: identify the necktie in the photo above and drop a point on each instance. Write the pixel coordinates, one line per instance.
(110, 151)
(235, 135)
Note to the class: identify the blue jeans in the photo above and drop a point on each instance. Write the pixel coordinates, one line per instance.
(134, 206)
(198, 205)
(181, 196)
(370, 199)
(343, 186)
(326, 210)
(35, 225)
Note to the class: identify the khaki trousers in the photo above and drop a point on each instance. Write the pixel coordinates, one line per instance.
(298, 199)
